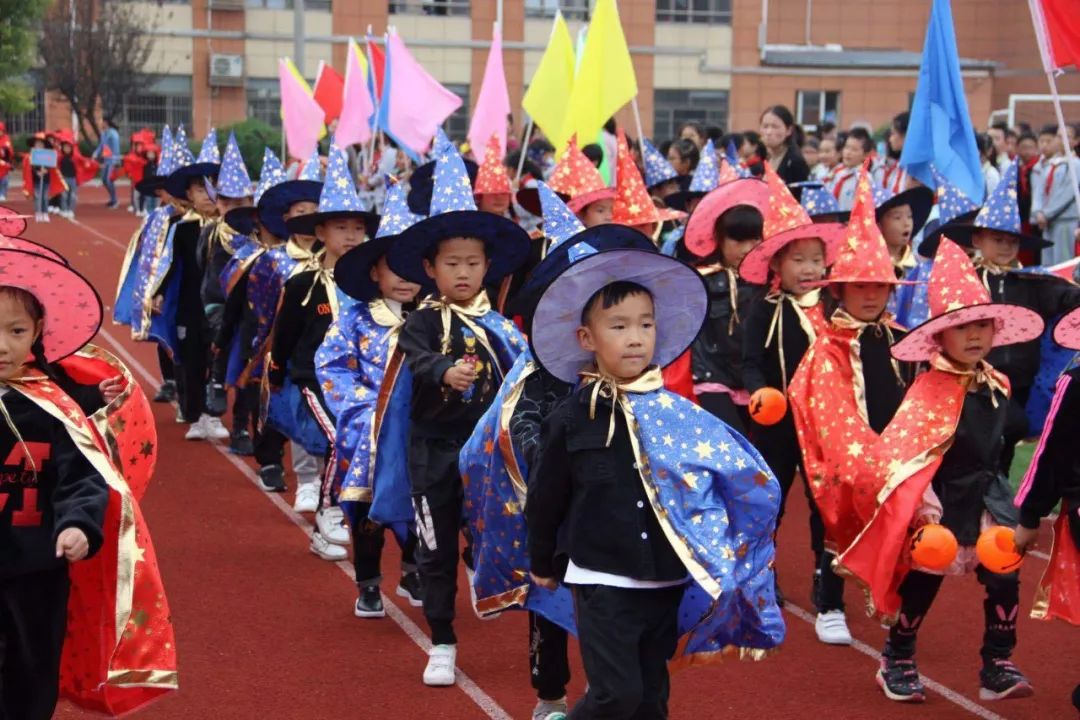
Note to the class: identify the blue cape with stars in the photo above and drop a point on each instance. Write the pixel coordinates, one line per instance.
(163, 326)
(133, 298)
(910, 304)
(238, 265)
(368, 387)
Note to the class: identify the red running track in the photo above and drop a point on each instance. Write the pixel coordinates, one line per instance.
(265, 629)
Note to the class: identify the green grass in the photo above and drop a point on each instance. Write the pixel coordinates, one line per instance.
(1020, 463)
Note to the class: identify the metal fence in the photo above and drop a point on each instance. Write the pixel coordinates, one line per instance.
(429, 7)
(704, 12)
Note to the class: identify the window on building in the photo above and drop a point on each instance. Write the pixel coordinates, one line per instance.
(28, 122)
(429, 7)
(705, 12)
(813, 107)
(166, 102)
(288, 4)
(264, 101)
(571, 9)
(457, 125)
(672, 108)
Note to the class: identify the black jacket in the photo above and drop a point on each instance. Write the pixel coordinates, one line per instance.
(185, 264)
(67, 491)
(542, 392)
(761, 365)
(793, 167)
(212, 257)
(716, 354)
(299, 330)
(595, 494)
(1049, 297)
(884, 390)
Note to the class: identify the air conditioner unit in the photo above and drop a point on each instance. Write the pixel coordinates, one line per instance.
(226, 70)
(226, 4)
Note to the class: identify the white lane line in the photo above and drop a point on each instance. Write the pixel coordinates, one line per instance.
(98, 233)
(485, 702)
(950, 695)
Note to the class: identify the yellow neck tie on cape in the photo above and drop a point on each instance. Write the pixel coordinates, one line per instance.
(222, 235)
(475, 308)
(733, 291)
(881, 328)
(982, 375)
(607, 387)
(324, 276)
(906, 261)
(993, 268)
(776, 326)
(307, 259)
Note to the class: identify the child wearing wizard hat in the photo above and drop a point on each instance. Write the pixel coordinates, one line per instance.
(668, 515)
(846, 390)
(367, 387)
(309, 304)
(495, 466)
(937, 461)
(577, 178)
(458, 350)
(900, 217)
(633, 205)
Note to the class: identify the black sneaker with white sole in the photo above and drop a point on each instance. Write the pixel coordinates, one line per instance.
(899, 680)
(1000, 679)
(240, 443)
(369, 604)
(166, 393)
(272, 478)
(410, 589)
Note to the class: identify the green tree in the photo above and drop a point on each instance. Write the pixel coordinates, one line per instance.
(20, 21)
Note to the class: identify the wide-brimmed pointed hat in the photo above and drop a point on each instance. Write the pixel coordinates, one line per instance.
(919, 198)
(242, 219)
(680, 302)
(577, 178)
(958, 297)
(493, 177)
(73, 309)
(705, 179)
(454, 214)
(12, 223)
(277, 199)
(954, 208)
(657, 168)
(863, 256)
(633, 204)
(819, 203)
(18, 243)
(421, 183)
(1067, 330)
(785, 221)
(150, 184)
(206, 165)
(338, 199)
(1000, 213)
(569, 241)
(700, 238)
(353, 271)
(233, 180)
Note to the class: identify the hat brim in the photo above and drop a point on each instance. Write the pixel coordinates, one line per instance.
(529, 199)
(178, 182)
(963, 235)
(277, 200)
(12, 223)
(921, 201)
(681, 199)
(600, 238)
(352, 273)
(73, 310)
(306, 224)
(18, 243)
(579, 203)
(755, 266)
(929, 245)
(506, 243)
(699, 237)
(1013, 324)
(242, 219)
(150, 185)
(679, 295)
(1067, 330)
(421, 185)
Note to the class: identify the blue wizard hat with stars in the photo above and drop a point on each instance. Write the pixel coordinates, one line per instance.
(999, 213)
(206, 165)
(570, 241)
(919, 198)
(233, 180)
(353, 271)
(954, 207)
(150, 184)
(818, 202)
(338, 199)
(657, 168)
(242, 219)
(277, 199)
(454, 214)
(705, 179)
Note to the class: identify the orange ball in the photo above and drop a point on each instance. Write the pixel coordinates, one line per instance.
(933, 547)
(996, 550)
(768, 406)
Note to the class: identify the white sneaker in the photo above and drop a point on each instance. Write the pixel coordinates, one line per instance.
(307, 498)
(326, 550)
(440, 666)
(197, 431)
(214, 429)
(45, 218)
(832, 628)
(331, 524)
(53, 209)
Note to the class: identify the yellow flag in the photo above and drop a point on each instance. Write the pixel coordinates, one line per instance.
(546, 98)
(605, 78)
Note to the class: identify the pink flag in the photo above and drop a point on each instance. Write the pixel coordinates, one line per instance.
(357, 108)
(303, 116)
(414, 104)
(493, 103)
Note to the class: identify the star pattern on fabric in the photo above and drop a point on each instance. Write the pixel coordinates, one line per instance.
(954, 282)
(633, 206)
(181, 155)
(271, 174)
(1001, 211)
(396, 217)
(951, 200)
(657, 168)
(575, 174)
(165, 156)
(338, 192)
(863, 256)
(452, 190)
(706, 176)
(233, 179)
(784, 213)
(312, 169)
(493, 178)
(560, 223)
(209, 152)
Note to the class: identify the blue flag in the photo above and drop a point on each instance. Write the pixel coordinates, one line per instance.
(940, 131)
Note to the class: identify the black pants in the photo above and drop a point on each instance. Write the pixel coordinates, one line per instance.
(780, 447)
(1016, 426)
(192, 376)
(548, 663)
(720, 405)
(33, 622)
(437, 497)
(269, 446)
(1000, 609)
(246, 409)
(830, 592)
(626, 639)
(168, 369)
(368, 538)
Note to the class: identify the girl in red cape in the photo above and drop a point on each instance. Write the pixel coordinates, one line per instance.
(40, 183)
(85, 612)
(938, 462)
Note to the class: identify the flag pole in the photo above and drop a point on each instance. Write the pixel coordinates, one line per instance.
(524, 149)
(637, 119)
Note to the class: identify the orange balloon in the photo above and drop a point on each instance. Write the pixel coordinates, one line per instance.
(933, 547)
(996, 550)
(768, 406)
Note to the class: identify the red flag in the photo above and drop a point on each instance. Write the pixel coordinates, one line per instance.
(329, 90)
(1061, 25)
(376, 65)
